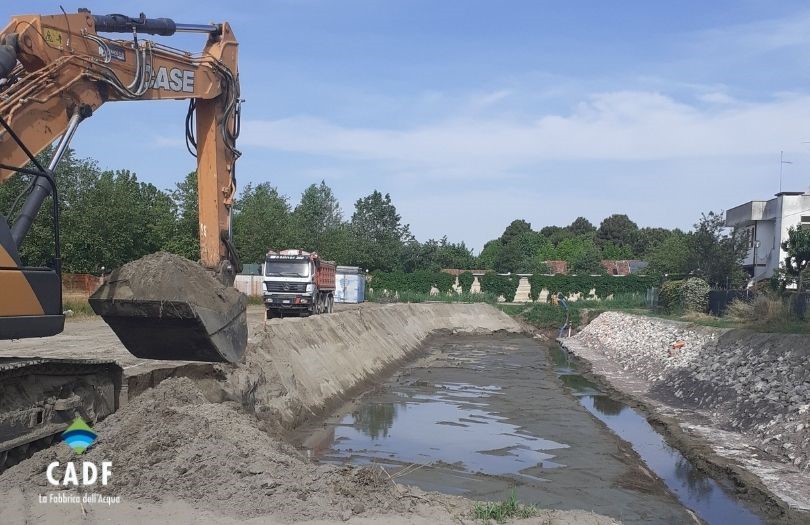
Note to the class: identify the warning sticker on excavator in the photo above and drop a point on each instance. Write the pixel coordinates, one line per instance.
(52, 36)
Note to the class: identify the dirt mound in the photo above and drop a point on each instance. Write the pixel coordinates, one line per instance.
(164, 306)
(171, 443)
(169, 277)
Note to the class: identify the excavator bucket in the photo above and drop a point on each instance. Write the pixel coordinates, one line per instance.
(163, 306)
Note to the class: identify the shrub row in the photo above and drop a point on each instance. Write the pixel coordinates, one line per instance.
(604, 285)
(505, 285)
(465, 280)
(419, 281)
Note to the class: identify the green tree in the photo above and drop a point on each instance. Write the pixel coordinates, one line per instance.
(316, 217)
(420, 256)
(186, 238)
(488, 255)
(546, 251)
(455, 255)
(797, 260)
(556, 234)
(581, 226)
(518, 255)
(261, 222)
(645, 240)
(575, 248)
(339, 245)
(617, 253)
(617, 229)
(379, 233)
(588, 261)
(717, 253)
(112, 221)
(673, 256)
(515, 228)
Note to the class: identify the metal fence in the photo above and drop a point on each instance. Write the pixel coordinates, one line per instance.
(720, 299)
(799, 304)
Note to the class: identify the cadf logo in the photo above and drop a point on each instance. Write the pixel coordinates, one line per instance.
(79, 436)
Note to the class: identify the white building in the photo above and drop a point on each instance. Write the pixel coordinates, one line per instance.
(767, 224)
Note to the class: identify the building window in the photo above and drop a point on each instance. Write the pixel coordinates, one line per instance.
(805, 222)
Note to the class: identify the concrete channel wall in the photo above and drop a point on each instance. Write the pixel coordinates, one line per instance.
(298, 368)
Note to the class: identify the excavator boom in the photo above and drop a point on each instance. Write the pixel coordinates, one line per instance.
(55, 72)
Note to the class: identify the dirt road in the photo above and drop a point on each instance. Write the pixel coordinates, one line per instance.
(90, 337)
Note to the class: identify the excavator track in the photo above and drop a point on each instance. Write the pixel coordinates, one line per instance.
(40, 397)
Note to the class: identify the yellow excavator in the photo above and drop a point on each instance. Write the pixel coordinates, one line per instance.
(55, 72)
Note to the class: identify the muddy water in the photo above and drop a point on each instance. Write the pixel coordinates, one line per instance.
(485, 416)
(692, 487)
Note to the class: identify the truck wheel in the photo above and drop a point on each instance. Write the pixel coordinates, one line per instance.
(330, 304)
(270, 314)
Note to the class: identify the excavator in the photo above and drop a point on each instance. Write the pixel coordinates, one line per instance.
(56, 71)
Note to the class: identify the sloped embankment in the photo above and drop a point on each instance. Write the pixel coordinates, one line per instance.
(297, 368)
(736, 386)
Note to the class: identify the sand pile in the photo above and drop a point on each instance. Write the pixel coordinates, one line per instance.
(171, 443)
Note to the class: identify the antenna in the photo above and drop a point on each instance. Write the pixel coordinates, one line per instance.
(782, 162)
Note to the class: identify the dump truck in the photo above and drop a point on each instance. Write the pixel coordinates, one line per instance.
(297, 282)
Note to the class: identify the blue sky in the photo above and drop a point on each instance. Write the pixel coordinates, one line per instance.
(474, 113)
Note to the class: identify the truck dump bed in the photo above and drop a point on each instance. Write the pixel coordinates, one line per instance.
(325, 276)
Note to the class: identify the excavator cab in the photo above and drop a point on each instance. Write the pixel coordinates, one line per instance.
(36, 310)
(31, 302)
(55, 71)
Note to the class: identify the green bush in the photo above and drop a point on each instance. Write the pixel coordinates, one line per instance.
(695, 295)
(691, 295)
(420, 281)
(604, 285)
(465, 280)
(669, 297)
(505, 285)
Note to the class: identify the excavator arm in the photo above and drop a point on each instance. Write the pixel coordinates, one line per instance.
(56, 71)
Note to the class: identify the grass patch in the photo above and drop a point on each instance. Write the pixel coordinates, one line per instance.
(78, 305)
(503, 510)
(552, 316)
(255, 299)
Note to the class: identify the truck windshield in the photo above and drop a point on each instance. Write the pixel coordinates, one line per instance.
(287, 268)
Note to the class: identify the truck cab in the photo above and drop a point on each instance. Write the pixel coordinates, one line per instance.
(297, 283)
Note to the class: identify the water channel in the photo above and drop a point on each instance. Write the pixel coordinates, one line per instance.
(485, 416)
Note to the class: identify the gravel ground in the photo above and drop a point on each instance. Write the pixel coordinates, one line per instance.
(756, 384)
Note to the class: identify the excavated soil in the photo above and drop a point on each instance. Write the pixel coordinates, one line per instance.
(168, 277)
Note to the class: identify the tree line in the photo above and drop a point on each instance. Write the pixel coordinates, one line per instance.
(110, 217)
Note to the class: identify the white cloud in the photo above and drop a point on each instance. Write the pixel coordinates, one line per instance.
(717, 97)
(615, 126)
(757, 37)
